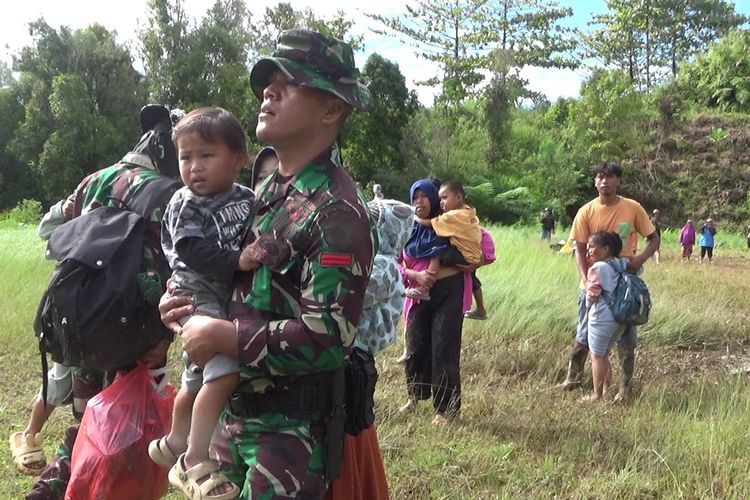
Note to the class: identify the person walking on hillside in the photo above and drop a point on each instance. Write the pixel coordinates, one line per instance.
(706, 240)
(608, 212)
(687, 240)
(658, 224)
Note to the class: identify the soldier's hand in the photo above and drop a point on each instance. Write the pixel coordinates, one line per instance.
(203, 337)
(68, 208)
(247, 262)
(174, 307)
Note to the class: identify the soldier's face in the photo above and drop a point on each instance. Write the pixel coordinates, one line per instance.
(207, 168)
(290, 114)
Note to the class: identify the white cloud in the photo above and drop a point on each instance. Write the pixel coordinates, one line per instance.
(553, 82)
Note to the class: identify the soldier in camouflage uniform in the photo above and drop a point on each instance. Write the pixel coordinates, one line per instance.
(294, 327)
(150, 158)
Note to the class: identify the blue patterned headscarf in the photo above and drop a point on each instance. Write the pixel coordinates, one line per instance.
(424, 243)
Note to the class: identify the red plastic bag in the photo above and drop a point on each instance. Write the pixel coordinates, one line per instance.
(110, 456)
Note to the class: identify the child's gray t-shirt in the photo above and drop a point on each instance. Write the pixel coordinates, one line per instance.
(220, 219)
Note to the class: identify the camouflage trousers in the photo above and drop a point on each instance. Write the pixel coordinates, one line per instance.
(54, 480)
(271, 456)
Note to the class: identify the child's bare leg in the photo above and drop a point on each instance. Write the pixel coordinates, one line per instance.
(39, 415)
(434, 267)
(422, 292)
(479, 299)
(598, 373)
(40, 412)
(209, 403)
(607, 377)
(184, 403)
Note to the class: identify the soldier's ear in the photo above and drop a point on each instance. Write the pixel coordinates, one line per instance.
(336, 110)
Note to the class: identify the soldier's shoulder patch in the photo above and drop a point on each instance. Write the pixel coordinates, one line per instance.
(336, 259)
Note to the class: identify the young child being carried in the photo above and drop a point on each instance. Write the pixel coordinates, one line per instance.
(603, 252)
(202, 236)
(459, 223)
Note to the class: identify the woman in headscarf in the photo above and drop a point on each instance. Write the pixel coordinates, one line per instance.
(687, 240)
(433, 328)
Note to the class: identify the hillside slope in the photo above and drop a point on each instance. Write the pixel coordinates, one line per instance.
(688, 174)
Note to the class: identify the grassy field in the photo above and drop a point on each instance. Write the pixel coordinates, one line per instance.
(686, 435)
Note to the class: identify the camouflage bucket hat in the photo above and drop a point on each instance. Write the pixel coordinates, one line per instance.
(313, 60)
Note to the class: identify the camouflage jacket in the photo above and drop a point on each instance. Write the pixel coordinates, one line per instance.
(122, 181)
(302, 318)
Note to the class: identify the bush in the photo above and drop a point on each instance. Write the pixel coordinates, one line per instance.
(26, 212)
(720, 78)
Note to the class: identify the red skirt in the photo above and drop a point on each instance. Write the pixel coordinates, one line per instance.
(362, 472)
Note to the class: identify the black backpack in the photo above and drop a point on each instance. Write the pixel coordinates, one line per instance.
(93, 313)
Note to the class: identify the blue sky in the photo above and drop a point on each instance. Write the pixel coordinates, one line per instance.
(126, 17)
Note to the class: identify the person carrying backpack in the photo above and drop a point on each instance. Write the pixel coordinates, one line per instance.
(152, 158)
(604, 330)
(614, 213)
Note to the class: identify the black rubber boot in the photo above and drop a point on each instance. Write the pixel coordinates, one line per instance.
(627, 366)
(576, 363)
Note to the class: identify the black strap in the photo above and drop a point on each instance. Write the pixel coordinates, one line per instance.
(152, 195)
(308, 398)
(45, 368)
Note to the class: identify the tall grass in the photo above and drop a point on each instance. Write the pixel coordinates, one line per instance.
(686, 435)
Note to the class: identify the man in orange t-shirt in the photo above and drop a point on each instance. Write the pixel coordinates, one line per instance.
(608, 212)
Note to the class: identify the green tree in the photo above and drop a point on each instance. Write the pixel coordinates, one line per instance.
(192, 64)
(165, 46)
(81, 97)
(449, 145)
(459, 36)
(6, 76)
(650, 38)
(721, 77)
(15, 183)
(690, 26)
(499, 101)
(284, 17)
(372, 140)
(68, 144)
(610, 118)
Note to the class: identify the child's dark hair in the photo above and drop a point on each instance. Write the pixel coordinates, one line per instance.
(455, 187)
(212, 125)
(608, 239)
(609, 168)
